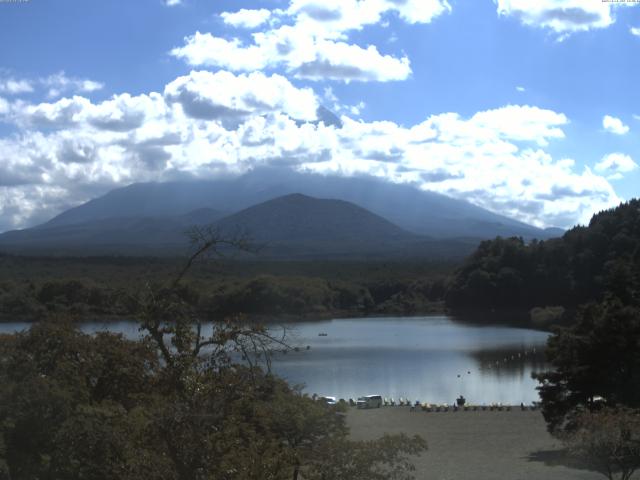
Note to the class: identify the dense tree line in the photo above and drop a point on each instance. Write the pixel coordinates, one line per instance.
(586, 264)
(260, 295)
(586, 287)
(596, 362)
(590, 395)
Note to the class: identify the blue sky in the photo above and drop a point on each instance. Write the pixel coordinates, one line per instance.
(528, 108)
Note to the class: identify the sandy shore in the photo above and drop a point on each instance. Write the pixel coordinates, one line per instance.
(478, 445)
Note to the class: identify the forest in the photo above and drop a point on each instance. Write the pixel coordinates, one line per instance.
(33, 287)
(537, 283)
(585, 287)
(587, 264)
(175, 406)
(178, 406)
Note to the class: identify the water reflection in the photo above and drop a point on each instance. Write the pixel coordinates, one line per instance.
(510, 361)
(432, 359)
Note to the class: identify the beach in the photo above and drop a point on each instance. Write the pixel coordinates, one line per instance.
(480, 445)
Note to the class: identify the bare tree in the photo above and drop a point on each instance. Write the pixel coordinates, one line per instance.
(175, 325)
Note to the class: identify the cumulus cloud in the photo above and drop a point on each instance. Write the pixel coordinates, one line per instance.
(614, 125)
(333, 18)
(419, 11)
(204, 49)
(246, 18)
(64, 113)
(86, 148)
(20, 162)
(635, 31)
(54, 85)
(302, 55)
(522, 123)
(338, 107)
(14, 86)
(615, 165)
(223, 95)
(59, 84)
(347, 62)
(563, 17)
(311, 40)
(478, 161)
(122, 113)
(4, 107)
(30, 204)
(172, 3)
(205, 124)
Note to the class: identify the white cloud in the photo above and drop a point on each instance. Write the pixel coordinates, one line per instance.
(614, 165)
(333, 18)
(29, 204)
(635, 31)
(246, 18)
(59, 84)
(614, 125)
(55, 85)
(338, 107)
(329, 95)
(348, 62)
(204, 49)
(4, 106)
(311, 40)
(223, 95)
(60, 114)
(522, 123)
(475, 159)
(419, 11)
(521, 89)
(205, 124)
(12, 86)
(125, 113)
(356, 110)
(300, 54)
(563, 17)
(172, 3)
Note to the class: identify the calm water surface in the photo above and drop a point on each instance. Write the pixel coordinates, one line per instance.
(431, 359)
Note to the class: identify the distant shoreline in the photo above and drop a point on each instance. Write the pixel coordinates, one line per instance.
(290, 319)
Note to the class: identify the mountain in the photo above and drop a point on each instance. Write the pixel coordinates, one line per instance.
(417, 211)
(295, 214)
(131, 234)
(305, 225)
(291, 226)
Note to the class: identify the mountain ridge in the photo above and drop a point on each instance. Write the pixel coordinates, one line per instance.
(415, 210)
(291, 226)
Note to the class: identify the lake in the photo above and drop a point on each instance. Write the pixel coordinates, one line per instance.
(432, 359)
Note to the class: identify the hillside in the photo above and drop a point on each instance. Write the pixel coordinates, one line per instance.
(292, 226)
(299, 220)
(585, 264)
(109, 235)
(417, 211)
